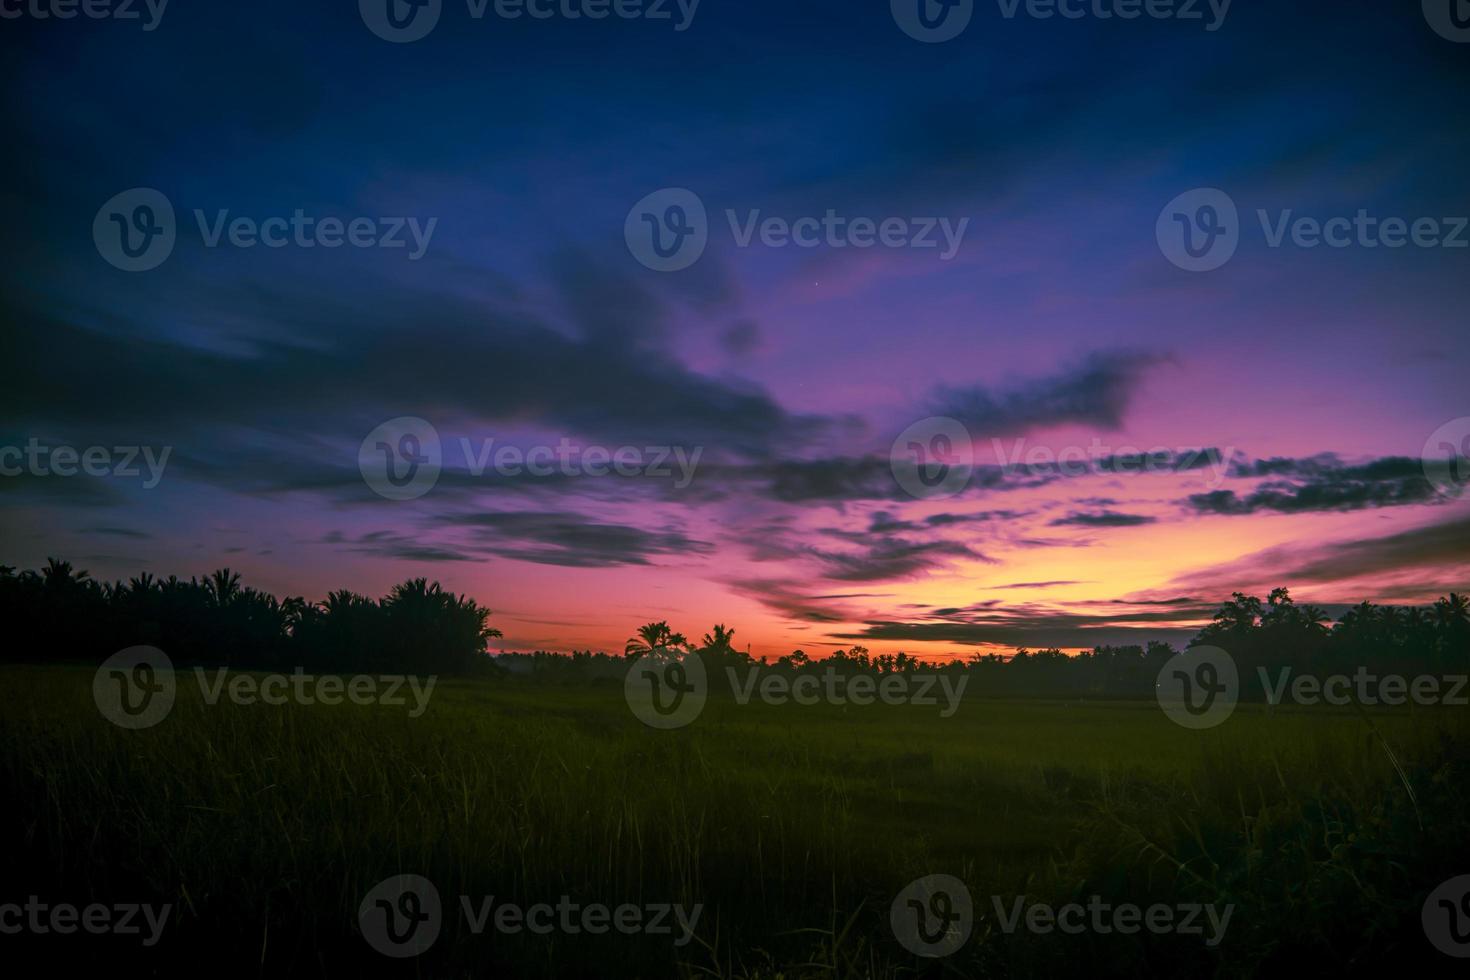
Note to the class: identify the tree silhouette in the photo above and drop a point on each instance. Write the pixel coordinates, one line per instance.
(654, 638)
(719, 641)
(59, 613)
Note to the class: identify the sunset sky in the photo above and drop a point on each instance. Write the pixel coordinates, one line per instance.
(1316, 376)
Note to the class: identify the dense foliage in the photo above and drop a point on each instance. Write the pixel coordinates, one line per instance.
(59, 614)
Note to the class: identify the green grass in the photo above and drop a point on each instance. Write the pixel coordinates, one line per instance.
(795, 826)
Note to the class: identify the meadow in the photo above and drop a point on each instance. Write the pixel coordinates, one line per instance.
(793, 826)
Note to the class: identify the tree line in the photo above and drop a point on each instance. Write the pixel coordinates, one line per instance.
(60, 614)
(1273, 634)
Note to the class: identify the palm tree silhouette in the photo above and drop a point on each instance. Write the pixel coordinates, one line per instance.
(654, 638)
(719, 640)
(222, 587)
(1359, 619)
(59, 574)
(1451, 610)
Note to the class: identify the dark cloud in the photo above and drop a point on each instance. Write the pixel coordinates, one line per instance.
(884, 522)
(1436, 557)
(741, 338)
(1036, 627)
(1038, 624)
(829, 480)
(1158, 461)
(1035, 585)
(401, 547)
(838, 480)
(572, 540)
(1437, 545)
(75, 491)
(118, 532)
(603, 385)
(1105, 518)
(606, 306)
(982, 517)
(892, 559)
(856, 595)
(1320, 483)
(788, 599)
(1328, 466)
(1096, 394)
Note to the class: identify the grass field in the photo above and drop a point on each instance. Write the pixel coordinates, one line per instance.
(794, 826)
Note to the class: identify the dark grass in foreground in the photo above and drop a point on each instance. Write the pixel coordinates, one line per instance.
(794, 826)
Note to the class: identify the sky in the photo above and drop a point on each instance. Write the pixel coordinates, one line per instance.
(502, 171)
